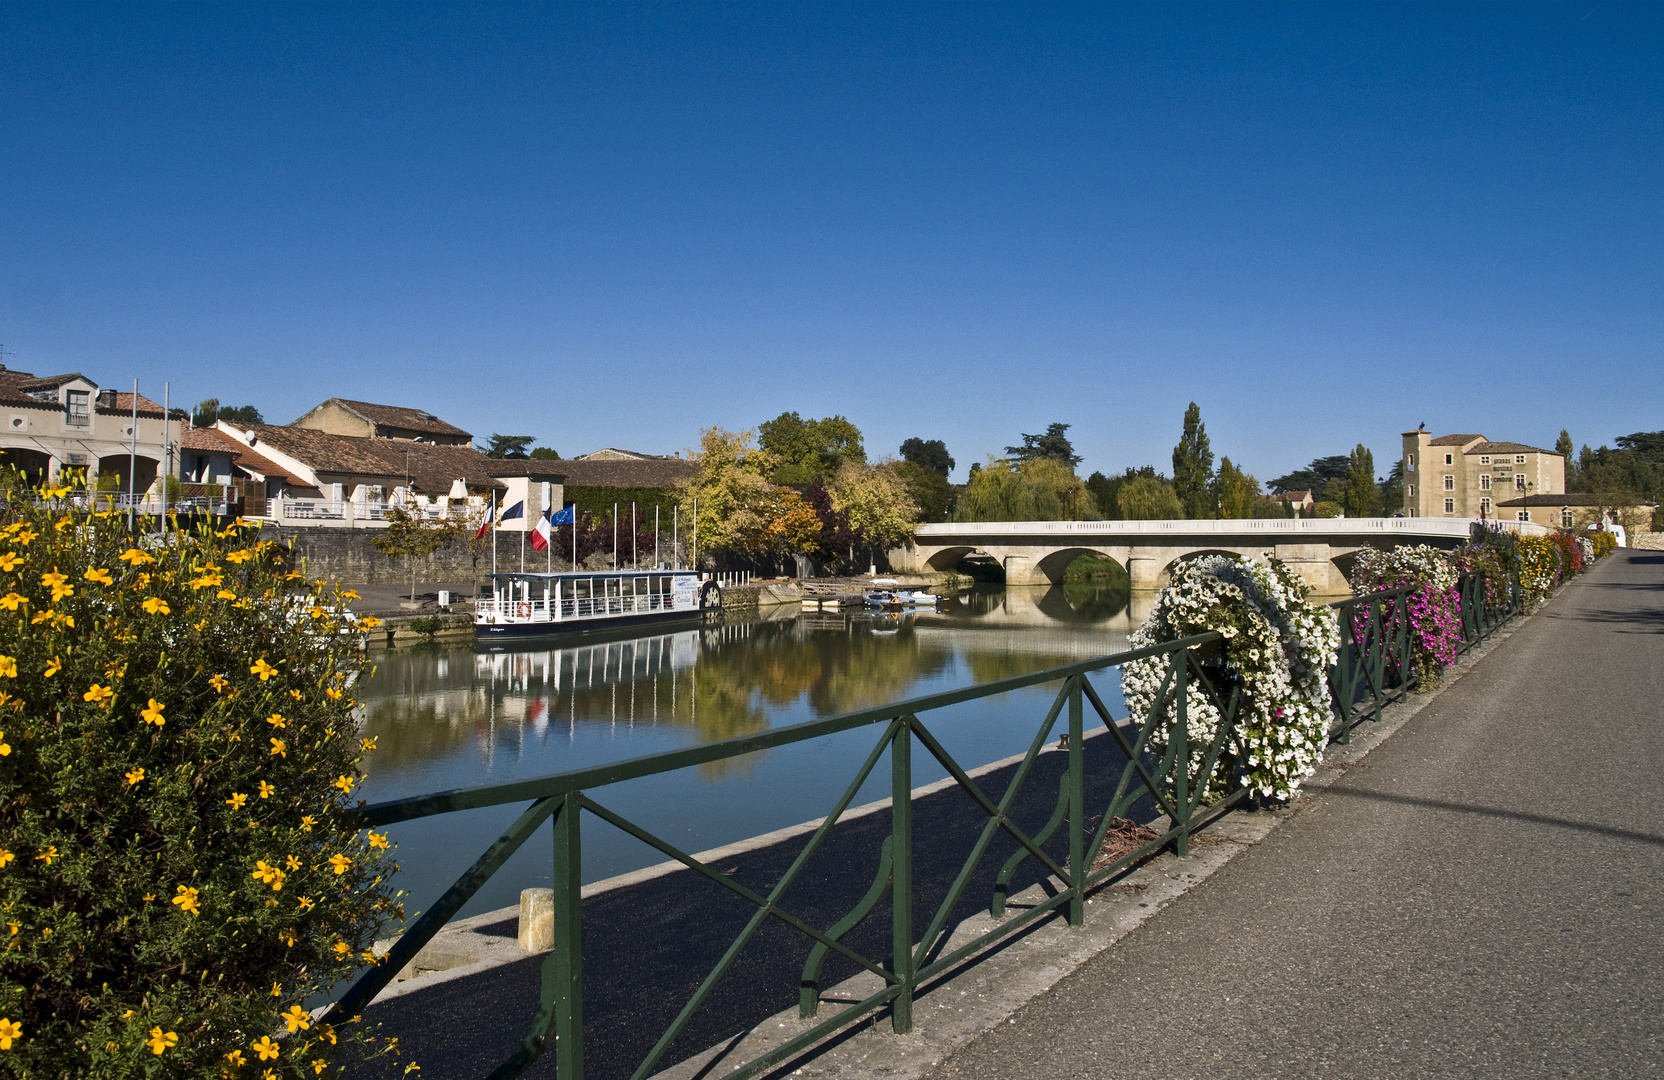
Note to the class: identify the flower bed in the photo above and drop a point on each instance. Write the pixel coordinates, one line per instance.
(1434, 608)
(1277, 651)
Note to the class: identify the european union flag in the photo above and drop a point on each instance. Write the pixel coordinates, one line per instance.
(565, 516)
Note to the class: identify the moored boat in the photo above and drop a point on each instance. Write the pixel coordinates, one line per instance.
(532, 605)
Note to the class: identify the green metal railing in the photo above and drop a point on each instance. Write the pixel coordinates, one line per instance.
(1373, 669)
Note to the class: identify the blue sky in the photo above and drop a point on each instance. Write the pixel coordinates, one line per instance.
(617, 225)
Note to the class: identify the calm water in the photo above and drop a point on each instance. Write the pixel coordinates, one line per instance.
(449, 717)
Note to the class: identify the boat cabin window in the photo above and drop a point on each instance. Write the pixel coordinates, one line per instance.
(582, 589)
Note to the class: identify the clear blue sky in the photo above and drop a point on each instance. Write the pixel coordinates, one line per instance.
(617, 225)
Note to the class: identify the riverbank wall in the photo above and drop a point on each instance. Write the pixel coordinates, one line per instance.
(348, 555)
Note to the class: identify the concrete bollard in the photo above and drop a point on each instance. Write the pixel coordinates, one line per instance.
(537, 920)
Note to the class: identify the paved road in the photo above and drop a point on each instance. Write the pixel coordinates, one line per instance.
(1482, 896)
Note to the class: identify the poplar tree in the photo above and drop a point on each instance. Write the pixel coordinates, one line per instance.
(1193, 466)
(1361, 492)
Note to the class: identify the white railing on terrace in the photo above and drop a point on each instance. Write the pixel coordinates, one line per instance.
(306, 508)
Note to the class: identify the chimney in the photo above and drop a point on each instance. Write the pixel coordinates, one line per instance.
(106, 399)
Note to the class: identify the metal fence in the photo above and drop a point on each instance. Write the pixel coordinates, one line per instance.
(1154, 768)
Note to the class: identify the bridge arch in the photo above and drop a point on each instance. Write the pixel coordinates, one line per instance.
(949, 557)
(1055, 564)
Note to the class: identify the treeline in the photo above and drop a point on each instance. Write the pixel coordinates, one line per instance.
(1630, 474)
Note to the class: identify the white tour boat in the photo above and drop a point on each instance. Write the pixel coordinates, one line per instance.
(531, 605)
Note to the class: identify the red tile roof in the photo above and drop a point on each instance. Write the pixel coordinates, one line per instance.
(402, 417)
(1455, 440)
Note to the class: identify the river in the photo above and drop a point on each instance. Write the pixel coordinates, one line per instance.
(447, 716)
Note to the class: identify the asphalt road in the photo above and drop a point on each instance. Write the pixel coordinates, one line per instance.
(1482, 896)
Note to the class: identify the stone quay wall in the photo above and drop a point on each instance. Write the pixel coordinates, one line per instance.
(346, 555)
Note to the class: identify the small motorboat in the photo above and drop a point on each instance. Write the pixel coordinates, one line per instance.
(887, 599)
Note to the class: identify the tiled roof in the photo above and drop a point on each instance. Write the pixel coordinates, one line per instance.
(434, 468)
(613, 453)
(645, 473)
(399, 416)
(1570, 498)
(1507, 448)
(1454, 440)
(15, 387)
(536, 468)
(323, 452)
(124, 406)
(211, 441)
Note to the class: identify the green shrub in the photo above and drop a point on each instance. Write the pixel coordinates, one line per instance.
(177, 747)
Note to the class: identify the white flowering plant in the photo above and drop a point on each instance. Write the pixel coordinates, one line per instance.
(1277, 652)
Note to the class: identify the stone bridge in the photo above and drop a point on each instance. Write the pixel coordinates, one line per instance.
(1319, 550)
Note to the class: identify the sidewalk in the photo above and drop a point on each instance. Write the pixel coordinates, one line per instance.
(1483, 895)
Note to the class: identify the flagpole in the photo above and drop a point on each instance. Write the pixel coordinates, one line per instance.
(493, 539)
(550, 549)
(635, 556)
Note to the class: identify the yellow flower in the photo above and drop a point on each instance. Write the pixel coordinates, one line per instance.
(348, 594)
(276, 720)
(11, 601)
(318, 1066)
(277, 989)
(292, 862)
(266, 1049)
(219, 683)
(237, 800)
(369, 622)
(63, 620)
(262, 669)
(296, 1018)
(152, 713)
(25, 536)
(345, 783)
(226, 594)
(160, 1040)
(369, 957)
(59, 584)
(268, 874)
(47, 856)
(342, 949)
(5, 747)
(8, 667)
(157, 606)
(340, 863)
(9, 1030)
(317, 612)
(333, 693)
(305, 903)
(186, 900)
(135, 557)
(41, 616)
(307, 821)
(6, 857)
(99, 575)
(9, 561)
(266, 789)
(98, 693)
(54, 667)
(15, 927)
(327, 1032)
(235, 1059)
(369, 743)
(135, 776)
(296, 694)
(287, 937)
(209, 580)
(280, 748)
(238, 556)
(378, 840)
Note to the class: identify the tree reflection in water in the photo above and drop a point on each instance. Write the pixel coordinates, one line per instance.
(436, 702)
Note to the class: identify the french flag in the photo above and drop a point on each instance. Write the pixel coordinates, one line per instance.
(541, 533)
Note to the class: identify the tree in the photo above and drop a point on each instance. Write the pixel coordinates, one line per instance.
(509, 446)
(1043, 489)
(928, 488)
(543, 453)
(1392, 491)
(1563, 447)
(210, 410)
(932, 454)
(1362, 494)
(1236, 491)
(1147, 498)
(1193, 466)
(1106, 490)
(876, 501)
(804, 449)
(838, 537)
(414, 536)
(1054, 444)
(207, 411)
(1074, 501)
(182, 754)
(1314, 477)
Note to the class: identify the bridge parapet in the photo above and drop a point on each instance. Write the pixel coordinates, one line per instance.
(1038, 552)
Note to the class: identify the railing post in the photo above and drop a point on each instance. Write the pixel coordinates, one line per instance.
(1181, 753)
(901, 887)
(1077, 806)
(568, 958)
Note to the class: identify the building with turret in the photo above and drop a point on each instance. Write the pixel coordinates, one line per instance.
(1469, 476)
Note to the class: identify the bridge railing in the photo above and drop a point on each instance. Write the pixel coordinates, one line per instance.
(1155, 768)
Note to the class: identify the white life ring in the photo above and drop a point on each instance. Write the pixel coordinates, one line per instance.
(523, 610)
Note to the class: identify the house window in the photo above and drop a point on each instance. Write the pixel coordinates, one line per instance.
(1519, 459)
(76, 406)
(1449, 482)
(1486, 460)
(1412, 511)
(1409, 463)
(1524, 515)
(1566, 517)
(1450, 459)
(1485, 506)
(1485, 482)
(1410, 490)
(1450, 506)
(1519, 481)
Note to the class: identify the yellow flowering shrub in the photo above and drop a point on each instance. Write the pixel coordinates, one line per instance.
(178, 743)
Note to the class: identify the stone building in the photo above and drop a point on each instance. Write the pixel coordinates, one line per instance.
(60, 422)
(1469, 476)
(1578, 510)
(367, 420)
